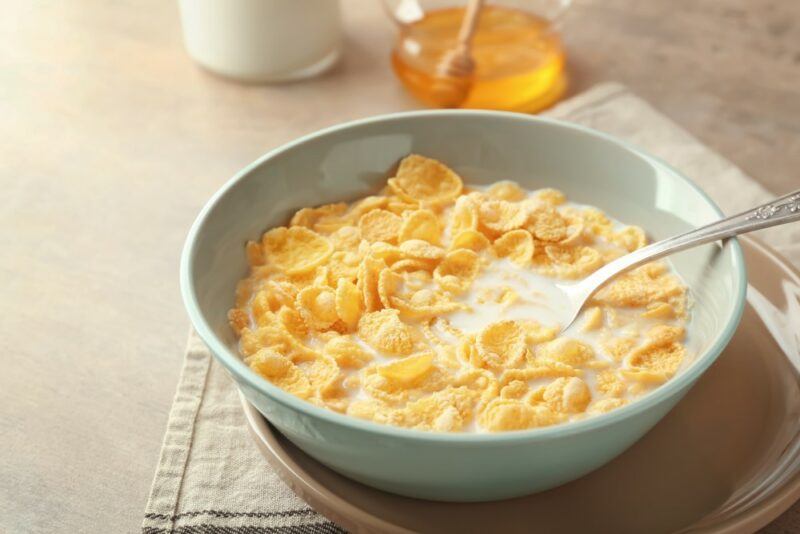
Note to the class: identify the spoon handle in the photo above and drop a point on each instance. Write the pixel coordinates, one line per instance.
(781, 210)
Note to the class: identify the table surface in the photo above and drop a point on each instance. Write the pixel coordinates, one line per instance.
(111, 140)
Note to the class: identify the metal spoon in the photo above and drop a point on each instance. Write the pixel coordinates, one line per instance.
(782, 210)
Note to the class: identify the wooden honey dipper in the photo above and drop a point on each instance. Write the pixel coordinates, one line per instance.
(453, 78)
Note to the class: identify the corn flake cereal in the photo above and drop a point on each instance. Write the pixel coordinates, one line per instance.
(368, 274)
(280, 371)
(426, 306)
(593, 319)
(346, 238)
(388, 284)
(508, 414)
(500, 216)
(385, 332)
(296, 250)
(424, 303)
(317, 305)
(349, 304)
(421, 224)
(239, 320)
(457, 270)
(421, 250)
(506, 190)
(408, 370)
(464, 216)
(425, 180)
(293, 321)
(470, 239)
(548, 225)
(502, 344)
(567, 395)
(548, 196)
(346, 352)
(567, 351)
(326, 218)
(380, 225)
(516, 245)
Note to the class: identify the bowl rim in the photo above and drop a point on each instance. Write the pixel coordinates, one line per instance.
(242, 373)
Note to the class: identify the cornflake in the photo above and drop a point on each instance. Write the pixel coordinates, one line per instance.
(470, 239)
(548, 225)
(296, 250)
(421, 224)
(424, 303)
(385, 332)
(465, 216)
(388, 284)
(567, 351)
(408, 307)
(349, 304)
(426, 181)
(368, 274)
(500, 216)
(280, 371)
(506, 190)
(516, 245)
(346, 352)
(380, 225)
(567, 395)
(551, 197)
(502, 344)
(421, 250)
(507, 414)
(327, 218)
(457, 270)
(409, 370)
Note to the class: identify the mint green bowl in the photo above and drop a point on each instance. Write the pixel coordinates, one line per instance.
(347, 161)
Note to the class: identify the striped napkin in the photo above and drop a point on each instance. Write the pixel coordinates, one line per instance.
(211, 479)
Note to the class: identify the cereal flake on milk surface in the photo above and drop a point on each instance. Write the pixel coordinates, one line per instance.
(431, 306)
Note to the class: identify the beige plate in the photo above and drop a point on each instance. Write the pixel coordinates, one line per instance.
(726, 459)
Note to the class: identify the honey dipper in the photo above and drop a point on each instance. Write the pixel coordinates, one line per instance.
(453, 78)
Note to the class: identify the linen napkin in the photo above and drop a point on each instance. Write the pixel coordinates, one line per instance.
(210, 476)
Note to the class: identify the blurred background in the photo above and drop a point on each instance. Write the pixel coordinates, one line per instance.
(112, 138)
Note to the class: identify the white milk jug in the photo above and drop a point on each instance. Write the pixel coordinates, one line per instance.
(262, 40)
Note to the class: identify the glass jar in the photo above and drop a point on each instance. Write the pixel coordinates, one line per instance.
(517, 51)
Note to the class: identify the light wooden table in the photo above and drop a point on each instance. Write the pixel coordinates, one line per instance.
(111, 140)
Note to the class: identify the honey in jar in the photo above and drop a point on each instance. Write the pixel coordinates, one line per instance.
(519, 59)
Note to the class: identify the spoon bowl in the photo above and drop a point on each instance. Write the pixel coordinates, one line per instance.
(782, 210)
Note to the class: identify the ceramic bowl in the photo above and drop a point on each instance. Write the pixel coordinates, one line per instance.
(351, 160)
